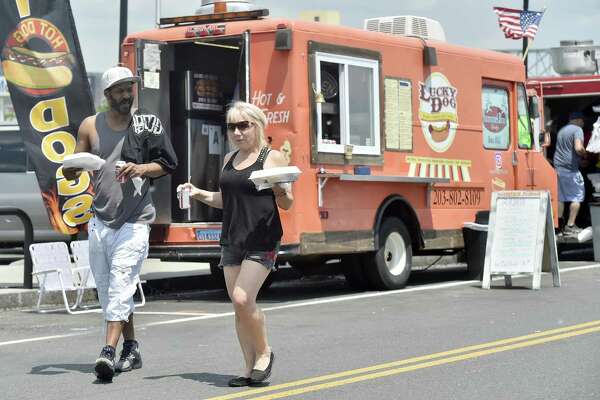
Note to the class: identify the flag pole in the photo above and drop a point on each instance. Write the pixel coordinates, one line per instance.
(526, 42)
(527, 51)
(529, 44)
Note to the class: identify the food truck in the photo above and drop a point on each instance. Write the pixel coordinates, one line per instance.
(400, 139)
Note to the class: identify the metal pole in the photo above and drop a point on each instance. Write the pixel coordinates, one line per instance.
(525, 40)
(157, 9)
(122, 25)
(28, 268)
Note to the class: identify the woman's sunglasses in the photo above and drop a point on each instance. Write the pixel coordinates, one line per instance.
(242, 126)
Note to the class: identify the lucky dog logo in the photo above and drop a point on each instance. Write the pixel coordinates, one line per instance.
(36, 58)
(438, 111)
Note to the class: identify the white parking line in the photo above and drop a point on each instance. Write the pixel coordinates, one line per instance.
(171, 313)
(299, 304)
(39, 339)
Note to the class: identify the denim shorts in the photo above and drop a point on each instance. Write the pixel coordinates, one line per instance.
(233, 256)
(571, 186)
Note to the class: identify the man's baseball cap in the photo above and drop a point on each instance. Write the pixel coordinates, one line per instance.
(575, 115)
(115, 75)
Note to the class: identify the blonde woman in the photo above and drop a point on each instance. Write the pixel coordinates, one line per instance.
(251, 232)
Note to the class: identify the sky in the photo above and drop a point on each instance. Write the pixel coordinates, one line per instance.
(469, 23)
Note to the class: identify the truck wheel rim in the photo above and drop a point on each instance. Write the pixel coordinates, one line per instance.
(395, 253)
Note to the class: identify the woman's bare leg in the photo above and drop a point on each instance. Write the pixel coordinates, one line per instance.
(231, 275)
(251, 318)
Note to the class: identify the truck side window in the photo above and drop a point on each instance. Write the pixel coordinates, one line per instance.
(496, 118)
(524, 123)
(347, 93)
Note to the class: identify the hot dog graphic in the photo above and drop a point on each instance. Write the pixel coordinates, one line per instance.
(36, 58)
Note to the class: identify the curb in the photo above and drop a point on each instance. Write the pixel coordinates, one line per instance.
(15, 299)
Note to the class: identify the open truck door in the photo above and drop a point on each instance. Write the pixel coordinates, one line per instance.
(188, 84)
(153, 68)
(524, 151)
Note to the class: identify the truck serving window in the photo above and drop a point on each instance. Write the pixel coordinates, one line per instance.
(347, 89)
(524, 122)
(496, 118)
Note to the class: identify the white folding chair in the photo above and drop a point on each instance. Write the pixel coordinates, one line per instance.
(52, 268)
(79, 249)
(81, 254)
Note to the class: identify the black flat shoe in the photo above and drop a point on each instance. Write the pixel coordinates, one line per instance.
(257, 376)
(239, 381)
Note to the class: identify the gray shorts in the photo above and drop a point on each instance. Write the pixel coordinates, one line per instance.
(233, 256)
(570, 186)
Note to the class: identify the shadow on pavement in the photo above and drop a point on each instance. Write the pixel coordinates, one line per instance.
(217, 380)
(58, 369)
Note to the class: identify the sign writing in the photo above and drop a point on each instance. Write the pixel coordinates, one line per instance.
(50, 93)
(456, 197)
(438, 111)
(520, 237)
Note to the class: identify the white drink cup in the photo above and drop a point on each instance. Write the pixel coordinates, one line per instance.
(118, 166)
(184, 198)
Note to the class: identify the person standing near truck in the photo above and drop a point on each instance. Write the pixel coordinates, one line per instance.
(567, 156)
(118, 232)
(250, 234)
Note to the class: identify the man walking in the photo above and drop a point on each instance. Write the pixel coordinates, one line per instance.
(136, 149)
(568, 153)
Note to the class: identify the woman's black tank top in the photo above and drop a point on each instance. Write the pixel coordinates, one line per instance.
(250, 217)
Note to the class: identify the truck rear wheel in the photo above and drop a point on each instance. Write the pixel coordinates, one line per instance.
(389, 267)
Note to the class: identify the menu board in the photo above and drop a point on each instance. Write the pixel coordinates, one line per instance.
(520, 236)
(206, 92)
(398, 114)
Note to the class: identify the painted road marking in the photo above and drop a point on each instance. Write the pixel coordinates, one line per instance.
(416, 363)
(364, 296)
(39, 339)
(172, 313)
(313, 302)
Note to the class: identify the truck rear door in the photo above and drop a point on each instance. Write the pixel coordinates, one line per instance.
(152, 65)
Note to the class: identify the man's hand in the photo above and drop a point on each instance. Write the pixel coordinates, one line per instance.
(131, 170)
(71, 174)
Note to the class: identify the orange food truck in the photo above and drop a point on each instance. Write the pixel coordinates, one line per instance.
(400, 139)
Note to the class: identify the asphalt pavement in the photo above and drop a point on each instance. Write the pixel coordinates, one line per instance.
(443, 337)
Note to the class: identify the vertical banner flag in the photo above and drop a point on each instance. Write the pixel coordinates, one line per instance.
(48, 86)
(517, 24)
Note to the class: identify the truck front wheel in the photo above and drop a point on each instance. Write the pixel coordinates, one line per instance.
(389, 267)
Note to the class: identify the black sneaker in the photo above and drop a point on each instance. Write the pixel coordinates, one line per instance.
(571, 230)
(130, 357)
(105, 364)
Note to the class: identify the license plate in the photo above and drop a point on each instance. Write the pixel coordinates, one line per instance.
(208, 235)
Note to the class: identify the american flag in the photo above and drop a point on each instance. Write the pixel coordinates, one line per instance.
(517, 24)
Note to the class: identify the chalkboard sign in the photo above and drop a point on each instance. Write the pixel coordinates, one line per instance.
(520, 237)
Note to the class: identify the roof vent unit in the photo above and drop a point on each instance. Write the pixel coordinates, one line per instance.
(222, 6)
(575, 57)
(407, 25)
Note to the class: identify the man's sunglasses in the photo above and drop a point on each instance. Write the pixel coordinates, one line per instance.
(242, 126)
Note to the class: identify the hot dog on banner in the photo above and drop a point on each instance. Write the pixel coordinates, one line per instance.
(48, 86)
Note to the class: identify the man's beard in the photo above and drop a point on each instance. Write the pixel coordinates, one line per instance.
(124, 107)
